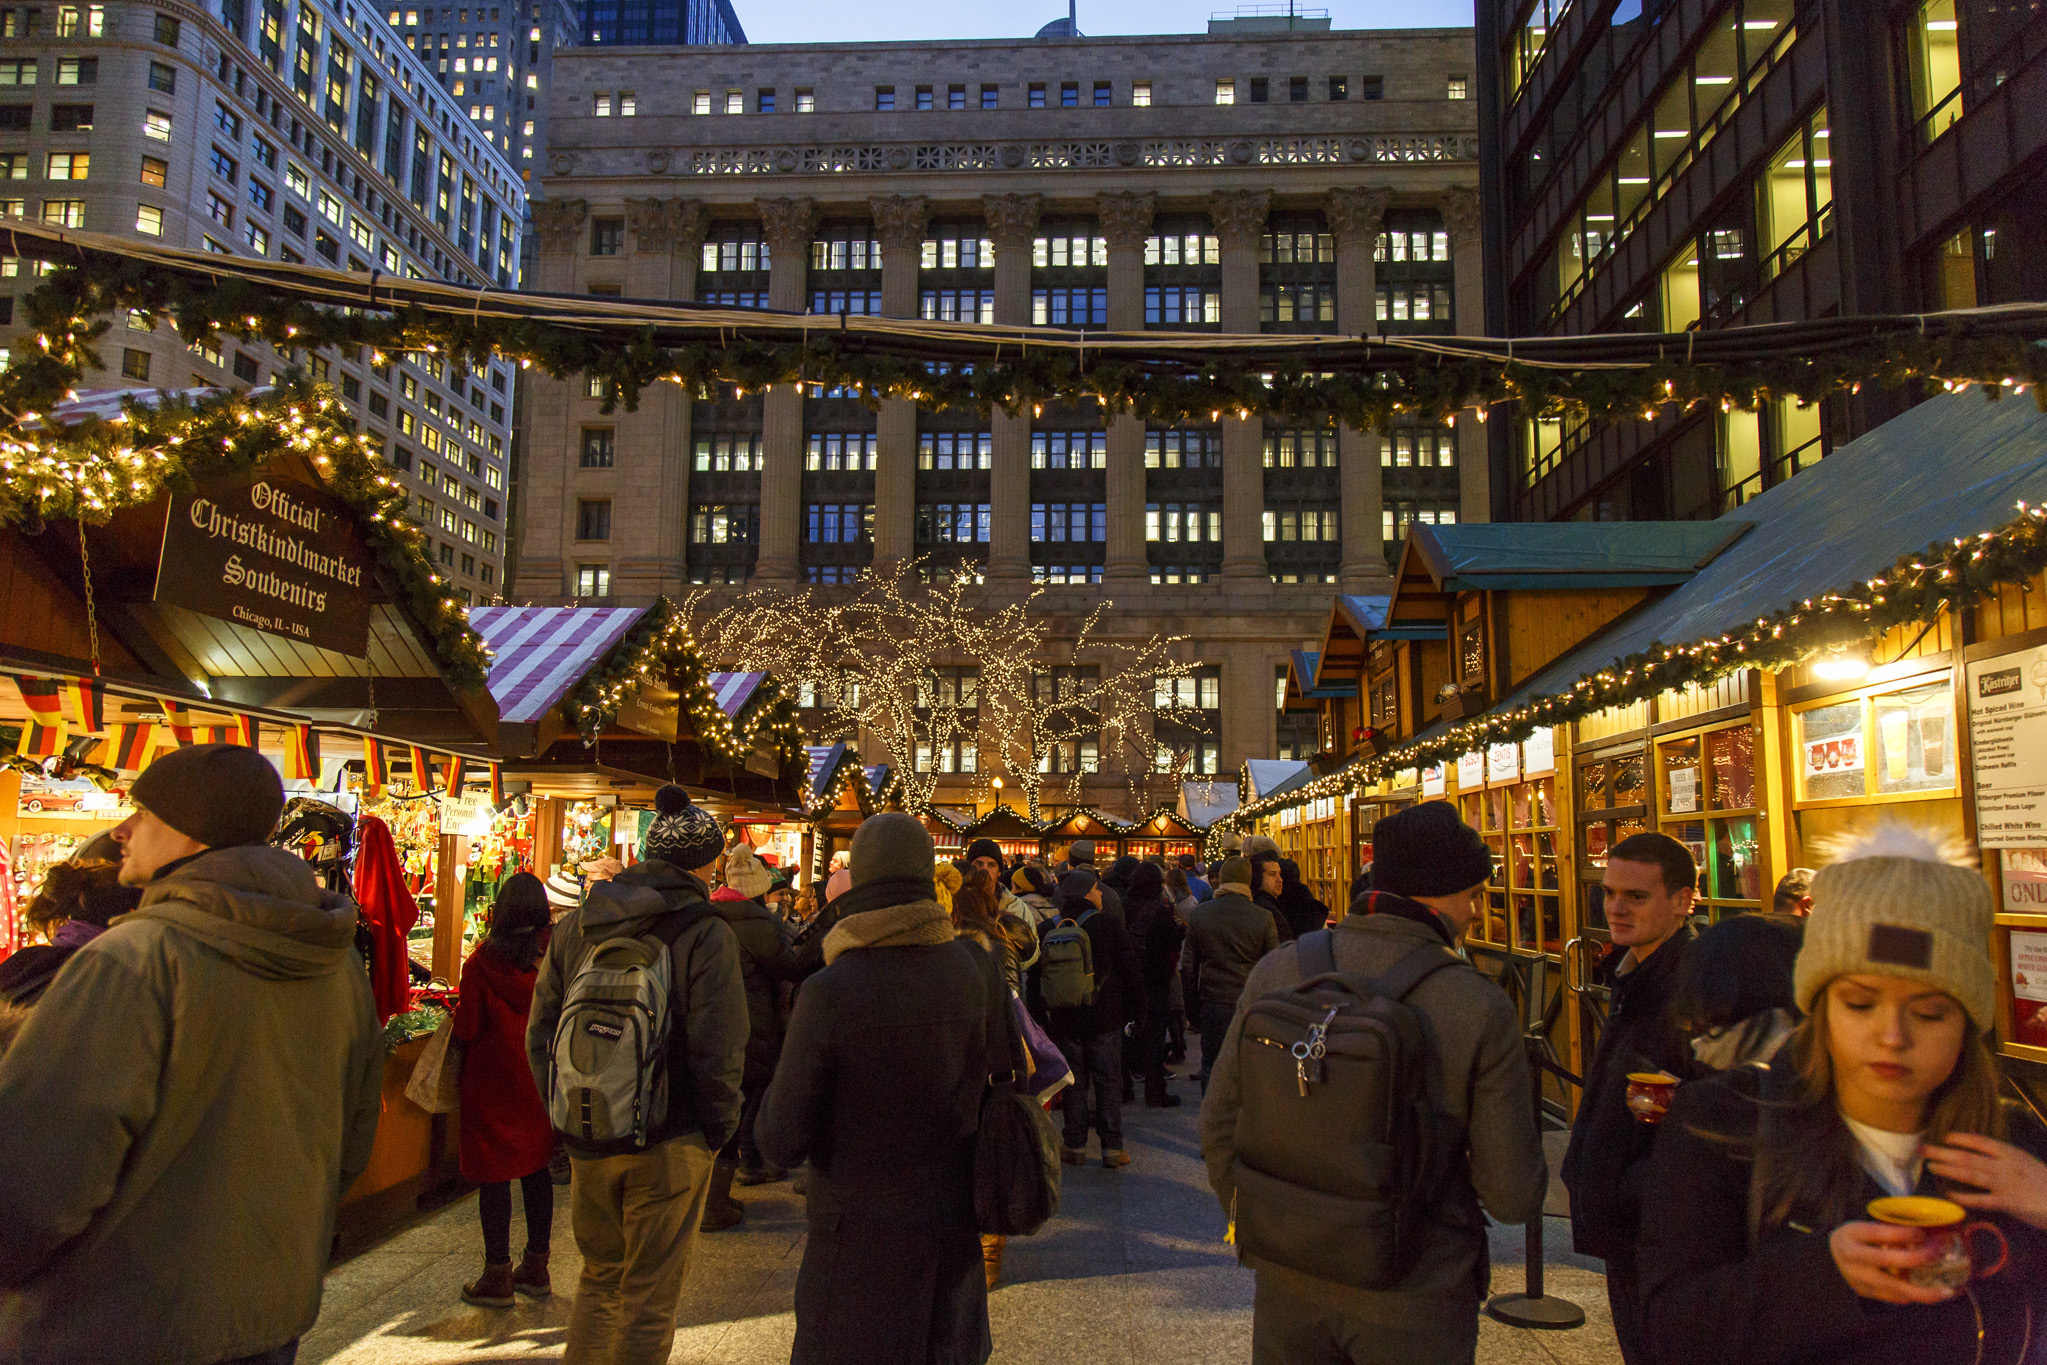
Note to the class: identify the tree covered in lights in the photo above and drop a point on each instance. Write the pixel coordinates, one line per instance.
(948, 678)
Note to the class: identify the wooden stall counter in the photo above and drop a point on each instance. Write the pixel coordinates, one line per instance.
(412, 1166)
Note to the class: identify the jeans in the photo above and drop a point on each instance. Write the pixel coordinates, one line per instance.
(494, 1207)
(637, 1218)
(1215, 1022)
(1097, 1063)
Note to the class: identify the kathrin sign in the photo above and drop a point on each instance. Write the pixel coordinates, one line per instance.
(276, 556)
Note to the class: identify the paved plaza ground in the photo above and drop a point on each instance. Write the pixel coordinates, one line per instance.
(1132, 1272)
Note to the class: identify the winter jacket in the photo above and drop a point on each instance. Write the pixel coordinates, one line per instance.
(1112, 899)
(1157, 934)
(765, 961)
(880, 1087)
(505, 1133)
(1036, 909)
(1226, 935)
(1119, 981)
(1281, 925)
(707, 1042)
(1198, 888)
(1712, 1298)
(27, 972)
(1478, 1079)
(1303, 912)
(1608, 1144)
(182, 1112)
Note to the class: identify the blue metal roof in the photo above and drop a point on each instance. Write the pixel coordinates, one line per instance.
(1306, 661)
(1367, 614)
(1955, 465)
(1570, 554)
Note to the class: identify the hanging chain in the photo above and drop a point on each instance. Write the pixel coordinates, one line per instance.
(371, 679)
(92, 625)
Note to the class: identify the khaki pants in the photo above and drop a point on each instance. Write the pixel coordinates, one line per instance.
(636, 1220)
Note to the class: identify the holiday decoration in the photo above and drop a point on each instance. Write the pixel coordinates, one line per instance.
(1946, 576)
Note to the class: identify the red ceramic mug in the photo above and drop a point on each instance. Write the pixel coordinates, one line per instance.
(1948, 1233)
(1649, 1095)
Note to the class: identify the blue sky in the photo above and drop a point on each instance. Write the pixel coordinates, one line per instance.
(811, 21)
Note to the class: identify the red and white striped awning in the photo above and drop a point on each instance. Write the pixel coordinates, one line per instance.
(541, 653)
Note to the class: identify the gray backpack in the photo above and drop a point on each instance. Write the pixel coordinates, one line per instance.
(1066, 965)
(608, 1065)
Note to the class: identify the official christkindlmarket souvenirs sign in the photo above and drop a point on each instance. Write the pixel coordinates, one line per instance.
(272, 554)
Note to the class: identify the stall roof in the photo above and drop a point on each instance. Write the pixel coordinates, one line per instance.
(735, 690)
(1204, 803)
(543, 652)
(825, 761)
(1002, 822)
(1953, 466)
(1570, 554)
(1305, 663)
(1270, 776)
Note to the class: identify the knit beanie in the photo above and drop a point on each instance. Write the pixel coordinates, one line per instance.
(223, 795)
(1255, 844)
(1426, 850)
(682, 835)
(1899, 901)
(893, 844)
(947, 880)
(746, 874)
(1233, 871)
(1030, 880)
(984, 848)
(1074, 886)
(1081, 851)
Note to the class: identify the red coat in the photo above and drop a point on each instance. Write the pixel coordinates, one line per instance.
(505, 1131)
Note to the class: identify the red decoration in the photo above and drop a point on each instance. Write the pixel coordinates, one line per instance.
(388, 908)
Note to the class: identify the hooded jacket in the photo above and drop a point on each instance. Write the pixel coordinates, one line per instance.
(707, 1039)
(765, 959)
(182, 1112)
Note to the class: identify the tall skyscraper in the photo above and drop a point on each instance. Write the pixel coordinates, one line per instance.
(495, 63)
(658, 23)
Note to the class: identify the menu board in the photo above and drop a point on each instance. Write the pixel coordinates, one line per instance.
(1503, 762)
(1539, 753)
(1684, 790)
(2008, 741)
(1471, 771)
(1433, 783)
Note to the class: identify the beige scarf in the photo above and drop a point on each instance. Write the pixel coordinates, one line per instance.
(917, 923)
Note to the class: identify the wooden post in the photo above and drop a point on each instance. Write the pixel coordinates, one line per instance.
(547, 834)
(1773, 772)
(449, 913)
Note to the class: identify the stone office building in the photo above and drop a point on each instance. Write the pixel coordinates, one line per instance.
(1235, 181)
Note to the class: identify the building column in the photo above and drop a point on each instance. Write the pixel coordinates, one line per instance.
(1126, 218)
(899, 223)
(1467, 259)
(787, 226)
(551, 437)
(650, 527)
(1355, 217)
(1239, 218)
(1012, 223)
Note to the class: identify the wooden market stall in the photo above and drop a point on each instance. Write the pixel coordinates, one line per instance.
(1936, 716)
(1014, 835)
(1083, 823)
(1164, 833)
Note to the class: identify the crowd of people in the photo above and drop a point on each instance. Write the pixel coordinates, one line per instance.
(1786, 1117)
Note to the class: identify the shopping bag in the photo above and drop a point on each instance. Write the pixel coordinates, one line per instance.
(436, 1084)
(1050, 1072)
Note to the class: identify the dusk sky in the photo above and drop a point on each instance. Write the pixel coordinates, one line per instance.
(809, 21)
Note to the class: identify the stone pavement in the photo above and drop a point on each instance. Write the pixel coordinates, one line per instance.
(1132, 1272)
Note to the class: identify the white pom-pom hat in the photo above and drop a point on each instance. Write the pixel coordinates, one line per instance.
(1901, 901)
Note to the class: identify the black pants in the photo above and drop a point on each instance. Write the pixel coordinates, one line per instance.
(1097, 1064)
(1151, 1041)
(740, 1147)
(1215, 1022)
(1624, 1296)
(494, 1206)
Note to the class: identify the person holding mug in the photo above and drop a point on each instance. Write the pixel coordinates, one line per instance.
(1758, 1242)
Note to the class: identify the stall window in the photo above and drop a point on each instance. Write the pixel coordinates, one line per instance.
(1613, 804)
(1898, 743)
(1706, 800)
(1519, 824)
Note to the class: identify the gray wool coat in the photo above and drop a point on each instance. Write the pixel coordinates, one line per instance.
(1479, 1078)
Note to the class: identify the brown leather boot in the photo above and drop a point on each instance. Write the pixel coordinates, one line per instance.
(493, 1290)
(992, 1246)
(721, 1210)
(531, 1278)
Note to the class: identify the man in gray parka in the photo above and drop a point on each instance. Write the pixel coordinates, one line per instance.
(185, 1107)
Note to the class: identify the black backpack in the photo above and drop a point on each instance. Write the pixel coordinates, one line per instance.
(1340, 1155)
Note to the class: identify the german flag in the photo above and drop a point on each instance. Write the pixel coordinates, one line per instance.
(422, 770)
(45, 706)
(40, 741)
(376, 773)
(84, 704)
(245, 732)
(453, 772)
(301, 754)
(497, 785)
(178, 720)
(129, 747)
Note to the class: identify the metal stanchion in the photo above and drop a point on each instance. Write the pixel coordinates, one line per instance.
(1533, 1307)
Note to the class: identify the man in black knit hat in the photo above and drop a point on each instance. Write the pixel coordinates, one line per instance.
(1429, 871)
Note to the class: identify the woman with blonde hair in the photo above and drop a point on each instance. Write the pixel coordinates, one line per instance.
(1763, 1239)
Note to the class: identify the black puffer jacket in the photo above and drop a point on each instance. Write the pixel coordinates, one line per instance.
(1710, 1298)
(765, 960)
(1602, 1165)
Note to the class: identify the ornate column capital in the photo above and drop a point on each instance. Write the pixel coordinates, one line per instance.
(1012, 218)
(1239, 215)
(1126, 216)
(558, 223)
(1460, 214)
(1356, 213)
(900, 220)
(666, 224)
(788, 224)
